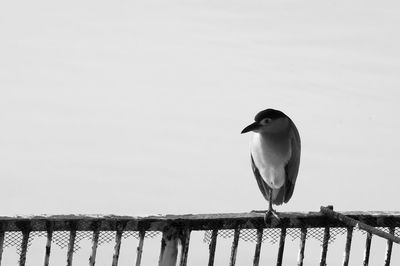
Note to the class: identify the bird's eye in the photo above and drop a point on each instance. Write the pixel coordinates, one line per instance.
(266, 120)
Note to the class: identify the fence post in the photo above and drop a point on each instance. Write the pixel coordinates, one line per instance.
(367, 249)
(95, 241)
(139, 248)
(212, 246)
(184, 240)
(117, 246)
(349, 237)
(24, 247)
(169, 247)
(49, 227)
(303, 237)
(70, 252)
(1, 243)
(281, 246)
(325, 246)
(389, 245)
(235, 244)
(256, 259)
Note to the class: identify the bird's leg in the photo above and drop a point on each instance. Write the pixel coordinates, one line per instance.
(271, 212)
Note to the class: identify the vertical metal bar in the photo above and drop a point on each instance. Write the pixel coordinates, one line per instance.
(71, 244)
(95, 242)
(256, 259)
(281, 247)
(117, 247)
(212, 247)
(184, 247)
(24, 247)
(349, 237)
(169, 247)
(302, 247)
(325, 247)
(235, 244)
(1, 244)
(367, 249)
(139, 248)
(162, 249)
(48, 245)
(389, 245)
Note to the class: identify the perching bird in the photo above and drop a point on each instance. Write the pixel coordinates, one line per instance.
(275, 156)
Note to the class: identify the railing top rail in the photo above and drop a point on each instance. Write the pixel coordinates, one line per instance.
(188, 221)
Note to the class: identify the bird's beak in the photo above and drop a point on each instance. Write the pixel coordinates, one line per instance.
(251, 127)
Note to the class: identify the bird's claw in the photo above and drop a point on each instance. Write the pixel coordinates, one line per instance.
(271, 218)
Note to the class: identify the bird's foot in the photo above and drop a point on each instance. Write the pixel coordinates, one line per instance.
(271, 218)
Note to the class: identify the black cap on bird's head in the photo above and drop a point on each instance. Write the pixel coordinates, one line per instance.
(263, 118)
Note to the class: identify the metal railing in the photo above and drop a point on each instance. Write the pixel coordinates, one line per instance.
(176, 231)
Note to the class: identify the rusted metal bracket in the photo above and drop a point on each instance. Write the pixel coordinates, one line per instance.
(358, 224)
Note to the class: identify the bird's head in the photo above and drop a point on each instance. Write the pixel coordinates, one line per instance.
(268, 121)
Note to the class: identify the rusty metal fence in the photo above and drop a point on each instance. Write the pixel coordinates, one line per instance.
(67, 231)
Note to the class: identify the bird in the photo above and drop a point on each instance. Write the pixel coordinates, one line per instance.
(275, 157)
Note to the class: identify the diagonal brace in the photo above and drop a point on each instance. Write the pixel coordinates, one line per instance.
(355, 223)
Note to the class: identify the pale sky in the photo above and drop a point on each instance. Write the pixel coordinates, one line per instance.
(131, 107)
(136, 107)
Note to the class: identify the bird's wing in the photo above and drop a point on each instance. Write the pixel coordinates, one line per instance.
(292, 167)
(278, 195)
(262, 185)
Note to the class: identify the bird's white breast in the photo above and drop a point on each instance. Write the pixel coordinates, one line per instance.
(271, 155)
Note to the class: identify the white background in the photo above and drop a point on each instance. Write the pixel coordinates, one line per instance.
(132, 107)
